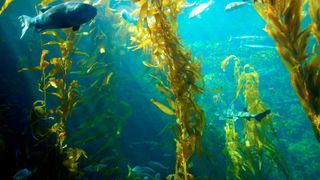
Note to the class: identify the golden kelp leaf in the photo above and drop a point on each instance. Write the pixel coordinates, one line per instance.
(43, 62)
(93, 84)
(76, 153)
(161, 83)
(30, 69)
(167, 93)
(5, 5)
(143, 14)
(106, 80)
(55, 34)
(39, 109)
(91, 67)
(82, 53)
(52, 43)
(58, 95)
(53, 83)
(162, 107)
(314, 63)
(225, 62)
(148, 64)
(46, 2)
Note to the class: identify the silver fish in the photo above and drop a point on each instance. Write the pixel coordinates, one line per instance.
(246, 37)
(259, 46)
(199, 9)
(234, 5)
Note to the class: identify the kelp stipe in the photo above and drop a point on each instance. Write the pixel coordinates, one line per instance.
(157, 34)
(257, 145)
(283, 18)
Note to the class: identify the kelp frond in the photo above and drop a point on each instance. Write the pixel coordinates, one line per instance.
(45, 3)
(55, 82)
(283, 19)
(314, 10)
(157, 35)
(237, 164)
(257, 145)
(5, 5)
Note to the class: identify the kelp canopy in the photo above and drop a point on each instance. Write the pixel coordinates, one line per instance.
(283, 18)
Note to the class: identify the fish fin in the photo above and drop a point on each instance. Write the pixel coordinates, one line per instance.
(230, 38)
(25, 24)
(76, 28)
(262, 115)
(44, 9)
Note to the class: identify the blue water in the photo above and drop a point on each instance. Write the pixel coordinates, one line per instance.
(133, 130)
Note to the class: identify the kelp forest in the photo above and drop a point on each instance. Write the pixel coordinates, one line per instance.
(160, 89)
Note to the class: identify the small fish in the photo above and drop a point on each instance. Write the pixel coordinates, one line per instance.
(235, 5)
(245, 114)
(127, 17)
(246, 37)
(64, 15)
(231, 114)
(22, 174)
(199, 9)
(143, 170)
(259, 46)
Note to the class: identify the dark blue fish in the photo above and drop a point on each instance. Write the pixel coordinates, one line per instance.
(64, 15)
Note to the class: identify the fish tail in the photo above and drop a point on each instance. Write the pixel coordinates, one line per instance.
(230, 38)
(262, 115)
(25, 24)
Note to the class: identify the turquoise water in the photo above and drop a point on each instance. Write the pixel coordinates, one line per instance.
(117, 125)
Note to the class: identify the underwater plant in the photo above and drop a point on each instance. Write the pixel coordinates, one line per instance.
(54, 81)
(257, 145)
(314, 10)
(177, 74)
(283, 18)
(45, 3)
(5, 5)
(237, 164)
(103, 115)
